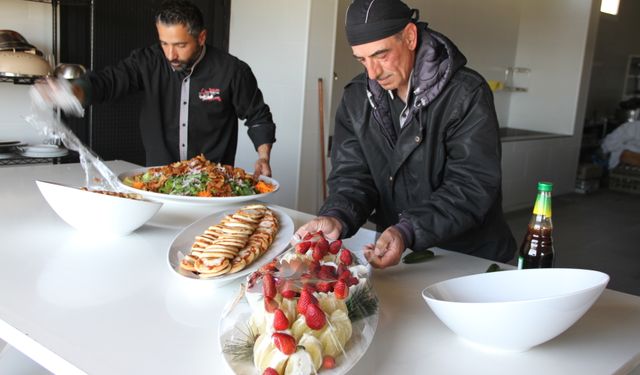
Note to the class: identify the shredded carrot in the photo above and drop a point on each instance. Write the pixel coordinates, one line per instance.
(263, 187)
(204, 193)
(138, 185)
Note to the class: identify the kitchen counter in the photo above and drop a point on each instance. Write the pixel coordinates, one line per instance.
(86, 305)
(513, 134)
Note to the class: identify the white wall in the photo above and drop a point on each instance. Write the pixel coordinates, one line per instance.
(320, 57)
(560, 60)
(33, 21)
(485, 31)
(289, 45)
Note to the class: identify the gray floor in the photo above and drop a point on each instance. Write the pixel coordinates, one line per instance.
(599, 231)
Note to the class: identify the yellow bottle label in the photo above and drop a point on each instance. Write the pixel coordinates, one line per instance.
(542, 206)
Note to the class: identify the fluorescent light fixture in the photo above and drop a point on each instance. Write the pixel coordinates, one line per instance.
(610, 6)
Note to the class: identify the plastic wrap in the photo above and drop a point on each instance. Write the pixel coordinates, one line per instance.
(44, 119)
(310, 310)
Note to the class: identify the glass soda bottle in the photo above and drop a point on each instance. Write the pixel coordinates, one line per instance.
(536, 250)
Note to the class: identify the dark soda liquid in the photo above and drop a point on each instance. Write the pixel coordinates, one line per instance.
(536, 250)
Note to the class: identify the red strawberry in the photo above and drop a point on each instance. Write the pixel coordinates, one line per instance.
(252, 279)
(269, 267)
(306, 299)
(314, 267)
(343, 272)
(352, 281)
(345, 257)
(317, 254)
(328, 362)
(270, 304)
(280, 321)
(314, 317)
(324, 286)
(335, 247)
(341, 289)
(323, 246)
(327, 272)
(270, 371)
(284, 342)
(269, 286)
(310, 287)
(289, 289)
(307, 236)
(302, 247)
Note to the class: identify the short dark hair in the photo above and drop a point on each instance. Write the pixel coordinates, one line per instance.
(174, 12)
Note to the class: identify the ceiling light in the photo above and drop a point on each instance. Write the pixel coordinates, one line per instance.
(610, 6)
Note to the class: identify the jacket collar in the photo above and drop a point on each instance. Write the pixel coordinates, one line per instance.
(437, 59)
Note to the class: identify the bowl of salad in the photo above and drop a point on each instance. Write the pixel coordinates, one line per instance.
(199, 181)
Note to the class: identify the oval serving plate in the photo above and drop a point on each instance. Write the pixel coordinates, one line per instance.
(211, 201)
(181, 245)
(233, 330)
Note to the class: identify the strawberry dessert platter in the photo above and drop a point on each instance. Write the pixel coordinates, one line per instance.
(310, 310)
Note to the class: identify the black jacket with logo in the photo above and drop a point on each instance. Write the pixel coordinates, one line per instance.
(222, 89)
(441, 173)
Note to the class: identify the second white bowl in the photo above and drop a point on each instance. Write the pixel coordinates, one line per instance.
(515, 310)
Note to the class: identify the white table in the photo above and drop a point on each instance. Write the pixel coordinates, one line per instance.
(84, 305)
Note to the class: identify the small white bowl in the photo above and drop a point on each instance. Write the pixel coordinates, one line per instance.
(515, 310)
(97, 213)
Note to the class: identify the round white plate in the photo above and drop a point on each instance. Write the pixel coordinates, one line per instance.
(181, 245)
(212, 201)
(43, 151)
(233, 328)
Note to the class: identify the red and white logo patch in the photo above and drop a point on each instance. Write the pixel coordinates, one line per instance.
(210, 95)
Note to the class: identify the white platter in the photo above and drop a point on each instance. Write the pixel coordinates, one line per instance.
(181, 245)
(234, 325)
(211, 201)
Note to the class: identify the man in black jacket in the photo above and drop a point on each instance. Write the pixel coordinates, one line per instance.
(416, 144)
(194, 94)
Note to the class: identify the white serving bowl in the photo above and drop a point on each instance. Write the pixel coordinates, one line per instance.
(95, 213)
(515, 310)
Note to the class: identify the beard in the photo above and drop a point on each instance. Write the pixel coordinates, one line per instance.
(183, 65)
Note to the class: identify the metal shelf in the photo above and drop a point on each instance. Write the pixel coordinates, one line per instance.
(64, 2)
(19, 80)
(22, 160)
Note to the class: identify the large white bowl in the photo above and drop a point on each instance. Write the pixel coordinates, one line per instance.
(95, 213)
(515, 310)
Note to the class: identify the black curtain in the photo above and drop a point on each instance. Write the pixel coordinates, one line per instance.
(112, 130)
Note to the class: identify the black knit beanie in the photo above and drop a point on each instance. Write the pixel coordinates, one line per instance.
(371, 20)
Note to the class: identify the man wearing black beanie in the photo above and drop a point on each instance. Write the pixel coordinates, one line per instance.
(416, 146)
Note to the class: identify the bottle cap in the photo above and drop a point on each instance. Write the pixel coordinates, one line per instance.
(545, 186)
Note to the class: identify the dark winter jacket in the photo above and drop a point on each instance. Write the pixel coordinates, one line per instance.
(441, 175)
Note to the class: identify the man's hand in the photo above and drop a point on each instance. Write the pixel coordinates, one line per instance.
(262, 166)
(58, 93)
(330, 227)
(387, 251)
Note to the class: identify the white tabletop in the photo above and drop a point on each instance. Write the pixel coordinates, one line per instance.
(98, 306)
